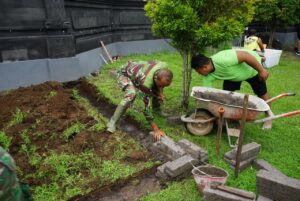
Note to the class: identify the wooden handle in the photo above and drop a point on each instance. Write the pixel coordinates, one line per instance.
(106, 52)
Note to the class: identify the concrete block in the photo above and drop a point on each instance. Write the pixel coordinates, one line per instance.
(174, 120)
(243, 164)
(262, 198)
(181, 165)
(113, 74)
(169, 148)
(219, 195)
(248, 150)
(204, 159)
(160, 172)
(262, 164)
(192, 149)
(277, 187)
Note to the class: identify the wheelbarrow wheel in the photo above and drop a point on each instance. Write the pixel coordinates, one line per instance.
(198, 128)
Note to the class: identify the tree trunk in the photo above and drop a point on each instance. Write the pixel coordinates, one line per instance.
(272, 33)
(186, 79)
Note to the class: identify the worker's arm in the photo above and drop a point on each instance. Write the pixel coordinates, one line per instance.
(160, 93)
(261, 45)
(246, 57)
(157, 133)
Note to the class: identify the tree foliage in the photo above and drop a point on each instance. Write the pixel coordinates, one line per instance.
(193, 25)
(277, 12)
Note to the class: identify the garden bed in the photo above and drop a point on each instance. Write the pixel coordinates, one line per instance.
(60, 145)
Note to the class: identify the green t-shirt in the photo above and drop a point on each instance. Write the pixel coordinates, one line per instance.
(227, 67)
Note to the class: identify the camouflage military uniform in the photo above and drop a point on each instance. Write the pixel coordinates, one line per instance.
(132, 79)
(10, 189)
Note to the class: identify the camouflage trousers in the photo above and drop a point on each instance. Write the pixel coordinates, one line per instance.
(130, 90)
(10, 189)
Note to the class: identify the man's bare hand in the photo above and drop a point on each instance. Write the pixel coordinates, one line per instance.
(263, 74)
(162, 98)
(157, 134)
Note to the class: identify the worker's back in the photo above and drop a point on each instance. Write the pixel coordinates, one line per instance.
(251, 43)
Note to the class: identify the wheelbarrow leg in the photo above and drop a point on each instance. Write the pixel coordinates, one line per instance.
(233, 130)
(268, 124)
(219, 133)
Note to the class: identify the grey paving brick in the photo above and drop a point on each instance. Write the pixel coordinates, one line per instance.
(243, 164)
(181, 165)
(193, 149)
(204, 159)
(174, 120)
(113, 74)
(168, 147)
(262, 164)
(160, 172)
(277, 187)
(218, 195)
(262, 198)
(248, 150)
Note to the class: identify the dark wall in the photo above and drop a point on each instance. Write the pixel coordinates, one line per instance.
(38, 29)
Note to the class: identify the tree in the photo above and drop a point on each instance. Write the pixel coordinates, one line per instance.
(193, 25)
(277, 12)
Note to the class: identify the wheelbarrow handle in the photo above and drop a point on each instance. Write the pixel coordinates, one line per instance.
(288, 114)
(280, 96)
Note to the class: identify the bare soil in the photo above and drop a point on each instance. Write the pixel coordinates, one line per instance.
(47, 116)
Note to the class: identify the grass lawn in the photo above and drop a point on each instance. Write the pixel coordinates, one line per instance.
(280, 145)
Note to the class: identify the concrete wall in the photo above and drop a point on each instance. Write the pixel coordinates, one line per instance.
(24, 73)
(38, 29)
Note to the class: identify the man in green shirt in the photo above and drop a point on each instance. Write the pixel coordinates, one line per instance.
(234, 66)
(146, 78)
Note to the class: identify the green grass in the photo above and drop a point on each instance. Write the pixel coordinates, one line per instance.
(279, 145)
(73, 130)
(65, 174)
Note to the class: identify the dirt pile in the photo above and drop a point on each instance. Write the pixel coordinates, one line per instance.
(47, 111)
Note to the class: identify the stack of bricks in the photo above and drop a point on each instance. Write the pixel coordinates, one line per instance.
(182, 156)
(272, 185)
(248, 155)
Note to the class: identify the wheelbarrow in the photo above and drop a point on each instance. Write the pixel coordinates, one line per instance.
(213, 104)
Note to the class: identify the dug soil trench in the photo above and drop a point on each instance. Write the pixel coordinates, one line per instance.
(37, 119)
(134, 187)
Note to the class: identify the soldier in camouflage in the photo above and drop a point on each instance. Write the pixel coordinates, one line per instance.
(10, 189)
(148, 79)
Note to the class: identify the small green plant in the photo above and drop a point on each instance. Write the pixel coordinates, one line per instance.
(98, 127)
(51, 94)
(17, 118)
(25, 149)
(25, 137)
(5, 141)
(35, 159)
(73, 130)
(75, 94)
